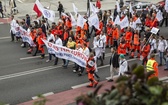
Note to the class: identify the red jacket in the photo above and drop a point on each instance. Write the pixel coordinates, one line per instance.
(98, 4)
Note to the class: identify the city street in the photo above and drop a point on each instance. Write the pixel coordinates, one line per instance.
(23, 76)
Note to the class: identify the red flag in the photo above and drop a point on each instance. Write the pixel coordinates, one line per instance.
(37, 9)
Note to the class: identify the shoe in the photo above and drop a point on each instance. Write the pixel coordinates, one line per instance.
(110, 80)
(160, 65)
(80, 74)
(48, 60)
(166, 69)
(74, 71)
(89, 86)
(95, 84)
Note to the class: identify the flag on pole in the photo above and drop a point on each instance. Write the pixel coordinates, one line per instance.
(75, 9)
(94, 20)
(63, 14)
(93, 8)
(124, 23)
(117, 20)
(37, 8)
(166, 5)
(118, 6)
(73, 20)
(49, 14)
(80, 21)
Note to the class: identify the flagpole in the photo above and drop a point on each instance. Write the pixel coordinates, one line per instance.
(88, 7)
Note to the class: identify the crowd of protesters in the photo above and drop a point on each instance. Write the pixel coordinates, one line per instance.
(129, 41)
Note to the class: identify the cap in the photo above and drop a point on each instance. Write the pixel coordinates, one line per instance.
(122, 56)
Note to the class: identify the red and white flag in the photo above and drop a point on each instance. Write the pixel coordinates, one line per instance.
(37, 8)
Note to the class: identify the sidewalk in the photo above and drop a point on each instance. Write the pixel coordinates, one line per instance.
(26, 6)
(68, 97)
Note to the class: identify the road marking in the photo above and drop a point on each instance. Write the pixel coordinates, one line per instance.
(33, 57)
(115, 76)
(45, 95)
(163, 78)
(1, 22)
(9, 76)
(81, 85)
(4, 38)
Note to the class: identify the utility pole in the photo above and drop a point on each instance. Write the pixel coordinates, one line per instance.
(88, 7)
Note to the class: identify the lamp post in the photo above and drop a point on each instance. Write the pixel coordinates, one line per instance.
(88, 7)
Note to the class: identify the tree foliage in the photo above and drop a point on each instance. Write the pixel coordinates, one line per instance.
(134, 88)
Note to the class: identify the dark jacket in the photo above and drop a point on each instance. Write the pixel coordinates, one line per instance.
(115, 60)
(60, 7)
(43, 27)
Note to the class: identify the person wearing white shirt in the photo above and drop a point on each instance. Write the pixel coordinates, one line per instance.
(13, 26)
(103, 38)
(153, 44)
(162, 46)
(58, 42)
(123, 65)
(50, 38)
(86, 50)
(98, 46)
(78, 68)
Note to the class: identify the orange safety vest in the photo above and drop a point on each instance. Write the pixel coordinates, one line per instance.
(88, 67)
(65, 37)
(115, 34)
(136, 39)
(128, 36)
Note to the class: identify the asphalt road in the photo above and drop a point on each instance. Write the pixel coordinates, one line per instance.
(22, 76)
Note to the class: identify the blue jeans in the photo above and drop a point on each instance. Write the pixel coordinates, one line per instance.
(66, 63)
(161, 56)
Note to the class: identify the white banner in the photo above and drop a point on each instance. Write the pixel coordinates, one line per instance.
(94, 20)
(66, 53)
(25, 36)
(73, 20)
(166, 5)
(124, 23)
(138, 21)
(80, 21)
(159, 16)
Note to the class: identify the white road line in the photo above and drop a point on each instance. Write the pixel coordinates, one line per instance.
(110, 77)
(1, 22)
(81, 85)
(33, 57)
(28, 72)
(4, 38)
(46, 94)
(163, 78)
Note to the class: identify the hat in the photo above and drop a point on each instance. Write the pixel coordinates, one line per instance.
(122, 56)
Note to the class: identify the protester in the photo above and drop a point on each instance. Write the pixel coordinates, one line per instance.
(114, 63)
(1, 9)
(12, 30)
(123, 65)
(152, 65)
(60, 8)
(90, 68)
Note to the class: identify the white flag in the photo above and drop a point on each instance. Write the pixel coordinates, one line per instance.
(130, 9)
(94, 20)
(124, 23)
(74, 8)
(63, 14)
(159, 16)
(117, 20)
(138, 21)
(49, 14)
(166, 5)
(73, 20)
(118, 6)
(80, 21)
(93, 8)
(133, 25)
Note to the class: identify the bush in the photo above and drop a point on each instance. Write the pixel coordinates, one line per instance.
(133, 89)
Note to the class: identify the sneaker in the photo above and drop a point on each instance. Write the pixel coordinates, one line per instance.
(74, 71)
(110, 80)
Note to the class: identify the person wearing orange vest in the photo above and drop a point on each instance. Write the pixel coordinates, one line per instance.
(122, 47)
(40, 43)
(68, 23)
(154, 22)
(147, 21)
(152, 65)
(115, 36)
(90, 68)
(65, 36)
(135, 45)
(128, 39)
(145, 49)
(109, 35)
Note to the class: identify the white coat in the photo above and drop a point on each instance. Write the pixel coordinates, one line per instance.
(162, 45)
(13, 26)
(98, 46)
(58, 41)
(50, 37)
(123, 67)
(86, 51)
(103, 38)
